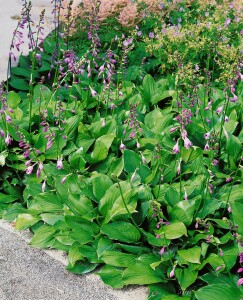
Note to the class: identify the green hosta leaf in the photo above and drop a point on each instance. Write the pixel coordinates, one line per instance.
(131, 161)
(24, 72)
(134, 249)
(172, 196)
(173, 231)
(42, 93)
(49, 46)
(13, 211)
(64, 239)
(72, 126)
(111, 276)
(84, 141)
(25, 221)
(151, 118)
(46, 202)
(142, 274)
(43, 237)
(121, 231)
(82, 267)
(116, 167)
(191, 255)
(185, 277)
(218, 292)
(118, 259)
(183, 211)
(81, 236)
(80, 206)
(101, 147)
(77, 160)
(20, 84)
(159, 96)
(160, 290)
(214, 278)
(104, 244)
(13, 99)
(7, 198)
(111, 205)
(230, 257)
(149, 88)
(101, 184)
(90, 253)
(3, 156)
(189, 155)
(51, 219)
(233, 146)
(74, 254)
(80, 224)
(209, 207)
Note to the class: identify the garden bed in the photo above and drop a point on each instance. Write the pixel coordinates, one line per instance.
(122, 145)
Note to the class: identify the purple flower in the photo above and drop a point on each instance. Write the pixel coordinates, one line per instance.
(133, 175)
(234, 99)
(240, 270)
(183, 134)
(207, 135)
(162, 251)
(1, 133)
(64, 179)
(38, 56)
(29, 170)
(43, 187)
(172, 272)
(240, 281)
(176, 148)
(179, 167)
(219, 267)
(132, 135)
(59, 163)
(215, 162)
(173, 129)
(219, 110)
(127, 42)
(221, 253)
(103, 123)
(122, 146)
(93, 92)
(26, 153)
(187, 143)
(138, 145)
(8, 119)
(38, 172)
(207, 147)
(27, 164)
(185, 195)
(49, 144)
(151, 35)
(241, 257)
(208, 238)
(143, 160)
(8, 140)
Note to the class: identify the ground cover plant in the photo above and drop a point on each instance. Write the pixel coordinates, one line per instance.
(122, 145)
